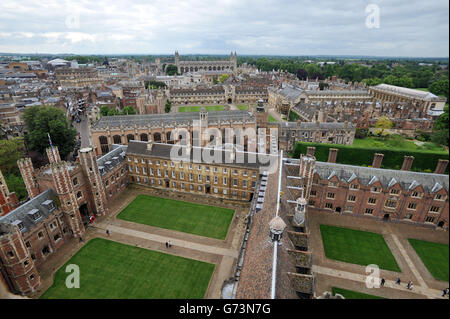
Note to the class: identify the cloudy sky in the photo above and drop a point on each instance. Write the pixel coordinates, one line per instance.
(276, 27)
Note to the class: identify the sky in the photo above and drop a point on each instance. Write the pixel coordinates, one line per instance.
(265, 27)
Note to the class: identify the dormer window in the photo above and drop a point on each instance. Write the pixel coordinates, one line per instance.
(49, 204)
(34, 214)
(19, 224)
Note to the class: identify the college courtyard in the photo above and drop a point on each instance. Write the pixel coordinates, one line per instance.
(133, 261)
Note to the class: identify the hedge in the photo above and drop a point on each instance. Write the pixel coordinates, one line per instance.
(393, 159)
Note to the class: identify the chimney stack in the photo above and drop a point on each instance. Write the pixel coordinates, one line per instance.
(149, 146)
(332, 155)
(377, 159)
(441, 166)
(310, 150)
(407, 163)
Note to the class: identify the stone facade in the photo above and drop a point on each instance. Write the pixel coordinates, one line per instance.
(198, 66)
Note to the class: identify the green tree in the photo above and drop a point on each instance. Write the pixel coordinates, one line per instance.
(43, 120)
(383, 124)
(441, 129)
(128, 110)
(10, 152)
(16, 184)
(172, 69)
(168, 106)
(223, 77)
(439, 87)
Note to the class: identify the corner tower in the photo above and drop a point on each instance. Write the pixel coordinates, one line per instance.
(88, 162)
(27, 171)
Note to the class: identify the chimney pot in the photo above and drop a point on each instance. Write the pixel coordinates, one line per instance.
(332, 155)
(407, 163)
(441, 166)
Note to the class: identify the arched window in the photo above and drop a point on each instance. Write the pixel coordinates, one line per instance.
(79, 194)
(144, 137)
(157, 137)
(75, 181)
(130, 137)
(169, 139)
(117, 139)
(104, 144)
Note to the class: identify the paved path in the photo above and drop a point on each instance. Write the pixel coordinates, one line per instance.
(421, 290)
(163, 239)
(275, 115)
(409, 261)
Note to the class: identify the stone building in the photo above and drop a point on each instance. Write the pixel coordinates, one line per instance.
(158, 127)
(198, 66)
(316, 132)
(428, 103)
(80, 77)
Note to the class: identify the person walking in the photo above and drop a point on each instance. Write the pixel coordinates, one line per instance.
(382, 282)
(167, 244)
(107, 232)
(170, 245)
(444, 292)
(409, 285)
(398, 281)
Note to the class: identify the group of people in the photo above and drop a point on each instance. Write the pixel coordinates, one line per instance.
(168, 244)
(409, 285)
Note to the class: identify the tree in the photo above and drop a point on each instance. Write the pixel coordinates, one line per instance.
(323, 85)
(43, 120)
(172, 70)
(302, 74)
(439, 87)
(104, 110)
(224, 77)
(383, 123)
(10, 152)
(16, 184)
(441, 129)
(128, 110)
(168, 106)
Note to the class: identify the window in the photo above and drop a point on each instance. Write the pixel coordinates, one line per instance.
(174, 175)
(224, 181)
(130, 169)
(79, 195)
(207, 168)
(129, 159)
(181, 175)
(416, 195)
(199, 188)
(151, 171)
(199, 177)
(235, 172)
(165, 163)
(31, 276)
(235, 193)
(75, 181)
(330, 195)
(199, 168)
(137, 169)
(313, 193)
(245, 173)
(191, 187)
(10, 254)
(435, 209)
(135, 160)
(349, 209)
(216, 190)
(235, 182)
(375, 189)
(369, 211)
(311, 202)
(225, 170)
(395, 191)
(333, 184)
(224, 191)
(390, 203)
(253, 174)
(143, 161)
(158, 172)
(429, 219)
(181, 165)
(244, 183)
(372, 200)
(174, 184)
(351, 198)
(412, 206)
(253, 184)
(172, 164)
(244, 195)
(157, 162)
(408, 216)
(216, 179)
(440, 197)
(28, 244)
(329, 205)
(144, 171)
(182, 185)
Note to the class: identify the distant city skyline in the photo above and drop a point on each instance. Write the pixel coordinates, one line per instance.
(268, 27)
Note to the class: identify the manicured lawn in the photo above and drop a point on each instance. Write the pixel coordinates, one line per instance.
(357, 247)
(198, 108)
(350, 294)
(242, 107)
(114, 270)
(272, 119)
(397, 142)
(434, 256)
(203, 220)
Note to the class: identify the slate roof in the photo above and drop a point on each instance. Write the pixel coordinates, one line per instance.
(158, 120)
(110, 160)
(218, 156)
(427, 96)
(37, 203)
(408, 180)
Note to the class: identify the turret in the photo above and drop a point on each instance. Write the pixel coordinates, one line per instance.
(27, 171)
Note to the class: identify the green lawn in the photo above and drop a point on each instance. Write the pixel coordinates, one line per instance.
(113, 270)
(208, 108)
(434, 256)
(357, 247)
(423, 89)
(242, 107)
(203, 220)
(350, 294)
(397, 142)
(272, 119)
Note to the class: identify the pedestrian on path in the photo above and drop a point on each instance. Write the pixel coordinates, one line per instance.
(398, 281)
(107, 232)
(170, 245)
(444, 292)
(167, 244)
(382, 282)
(409, 285)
